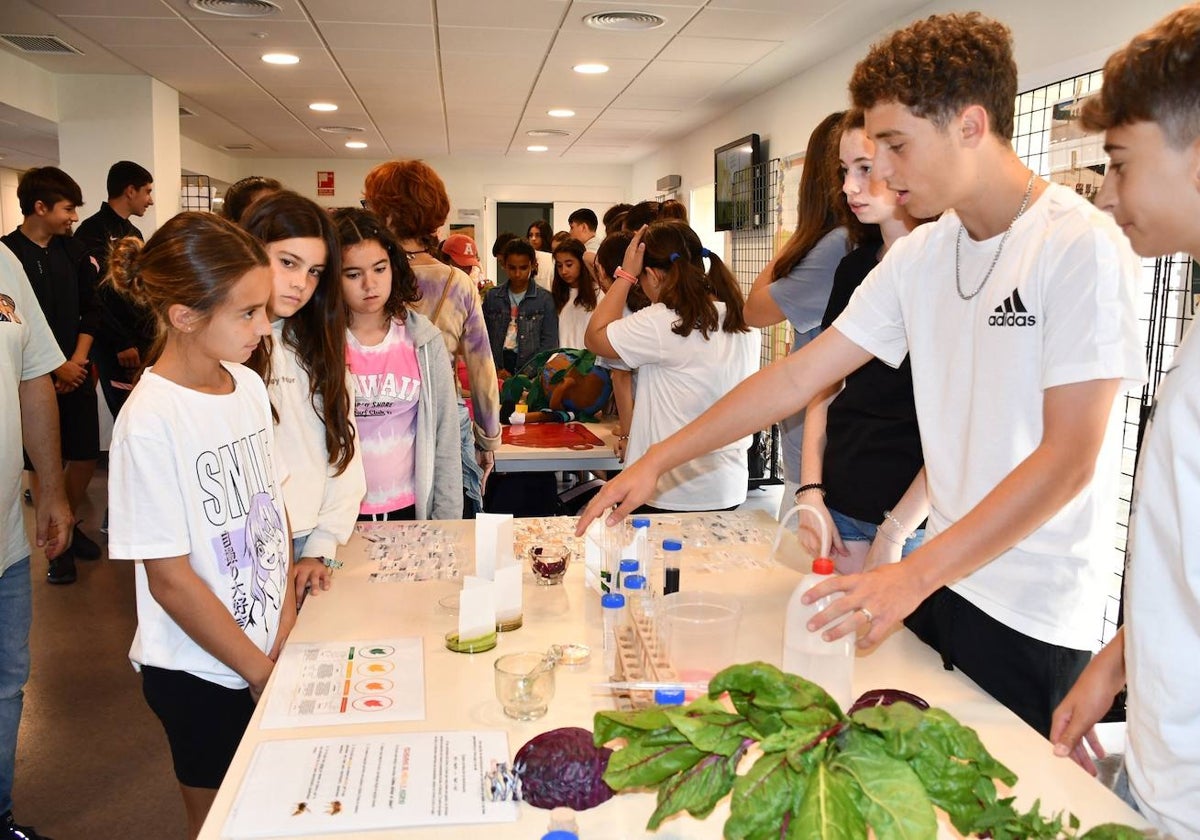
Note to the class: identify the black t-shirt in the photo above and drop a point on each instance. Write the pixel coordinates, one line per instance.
(873, 443)
(123, 323)
(64, 281)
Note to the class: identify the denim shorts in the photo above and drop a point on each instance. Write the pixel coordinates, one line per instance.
(856, 530)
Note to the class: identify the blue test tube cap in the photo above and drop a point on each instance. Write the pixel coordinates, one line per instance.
(672, 545)
(612, 601)
(634, 582)
(559, 834)
(641, 522)
(669, 696)
(628, 566)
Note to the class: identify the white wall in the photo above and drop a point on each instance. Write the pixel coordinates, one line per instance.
(1053, 40)
(26, 86)
(10, 207)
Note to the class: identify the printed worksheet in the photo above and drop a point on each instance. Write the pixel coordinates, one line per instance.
(319, 786)
(412, 551)
(331, 683)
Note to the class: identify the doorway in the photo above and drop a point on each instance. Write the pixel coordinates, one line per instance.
(516, 217)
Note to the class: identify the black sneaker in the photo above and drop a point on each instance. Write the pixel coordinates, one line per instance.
(85, 547)
(62, 570)
(9, 830)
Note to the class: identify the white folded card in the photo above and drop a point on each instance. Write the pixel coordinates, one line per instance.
(476, 608)
(508, 592)
(493, 543)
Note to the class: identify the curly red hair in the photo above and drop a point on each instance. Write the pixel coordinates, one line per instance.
(409, 195)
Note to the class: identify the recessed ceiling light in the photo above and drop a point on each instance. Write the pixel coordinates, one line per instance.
(560, 112)
(356, 144)
(547, 132)
(620, 21)
(281, 58)
(322, 106)
(590, 69)
(537, 148)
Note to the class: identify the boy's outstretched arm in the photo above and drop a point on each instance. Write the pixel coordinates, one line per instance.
(771, 394)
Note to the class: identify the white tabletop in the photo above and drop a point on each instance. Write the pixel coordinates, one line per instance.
(513, 458)
(460, 694)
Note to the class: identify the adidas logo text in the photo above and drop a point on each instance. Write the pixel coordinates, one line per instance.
(1012, 313)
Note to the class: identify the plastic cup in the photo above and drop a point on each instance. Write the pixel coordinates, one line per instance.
(524, 684)
(699, 631)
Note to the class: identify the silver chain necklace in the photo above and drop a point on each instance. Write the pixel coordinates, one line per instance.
(999, 250)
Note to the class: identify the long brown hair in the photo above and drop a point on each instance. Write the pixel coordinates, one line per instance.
(819, 188)
(687, 288)
(585, 285)
(317, 332)
(355, 226)
(194, 260)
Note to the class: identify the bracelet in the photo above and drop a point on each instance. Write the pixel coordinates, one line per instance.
(888, 536)
(622, 437)
(804, 488)
(622, 274)
(331, 563)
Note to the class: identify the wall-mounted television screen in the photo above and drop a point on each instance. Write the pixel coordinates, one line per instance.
(736, 201)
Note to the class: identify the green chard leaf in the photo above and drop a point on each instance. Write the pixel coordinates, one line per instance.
(802, 727)
(757, 685)
(707, 725)
(828, 810)
(645, 765)
(1112, 831)
(762, 798)
(609, 725)
(697, 790)
(895, 804)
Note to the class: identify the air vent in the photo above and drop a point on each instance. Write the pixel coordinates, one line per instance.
(341, 129)
(624, 21)
(184, 112)
(41, 44)
(547, 132)
(237, 147)
(235, 8)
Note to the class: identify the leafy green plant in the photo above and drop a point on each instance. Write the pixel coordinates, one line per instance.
(821, 773)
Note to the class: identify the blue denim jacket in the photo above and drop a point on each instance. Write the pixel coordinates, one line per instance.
(537, 323)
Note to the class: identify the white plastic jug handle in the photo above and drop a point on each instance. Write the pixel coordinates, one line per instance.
(816, 514)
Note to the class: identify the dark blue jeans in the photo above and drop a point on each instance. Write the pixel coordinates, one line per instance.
(16, 616)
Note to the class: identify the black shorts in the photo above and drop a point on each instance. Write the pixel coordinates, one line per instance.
(1029, 676)
(78, 424)
(204, 722)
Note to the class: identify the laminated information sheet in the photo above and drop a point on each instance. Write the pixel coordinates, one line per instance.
(326, 785)
(331, 683)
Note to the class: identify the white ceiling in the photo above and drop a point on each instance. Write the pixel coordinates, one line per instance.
(427, 78)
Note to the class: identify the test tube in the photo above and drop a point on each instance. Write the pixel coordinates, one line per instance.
(672, 552)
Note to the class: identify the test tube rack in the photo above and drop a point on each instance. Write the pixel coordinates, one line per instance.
(641, 657)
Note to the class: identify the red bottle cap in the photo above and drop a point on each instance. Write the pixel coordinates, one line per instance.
(822, 566)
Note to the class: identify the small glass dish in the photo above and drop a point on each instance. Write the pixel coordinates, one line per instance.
(476, 645)
(549, 563)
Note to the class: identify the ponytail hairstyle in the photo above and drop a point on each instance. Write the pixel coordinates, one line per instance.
(193, 260)
(858, 233)
(609, 257)
(356, 226)
(241, 194)
(819, 191)
(687, 289)
(585, 286)
(317, 332)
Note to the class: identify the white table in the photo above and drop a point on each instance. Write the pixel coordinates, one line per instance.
(511, 458)
(460, 694)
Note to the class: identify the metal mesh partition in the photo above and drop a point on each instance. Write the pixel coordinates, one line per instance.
(1048, 138)
(755, 223)
(195, 193)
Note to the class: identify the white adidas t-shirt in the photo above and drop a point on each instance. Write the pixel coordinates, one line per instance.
(1057, 309)
(677, 380)
(1162, 606)
(196, 474)
(573, 321)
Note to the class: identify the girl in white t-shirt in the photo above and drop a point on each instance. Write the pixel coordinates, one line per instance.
(304, 366)
(574, 292)
(404, 397)
(195, 494)
(690, 348)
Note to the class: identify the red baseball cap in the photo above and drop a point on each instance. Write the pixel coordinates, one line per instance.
(461, 249)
